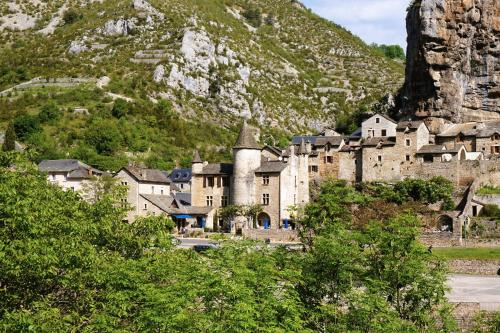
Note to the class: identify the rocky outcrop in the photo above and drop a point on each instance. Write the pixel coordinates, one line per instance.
(453, 67)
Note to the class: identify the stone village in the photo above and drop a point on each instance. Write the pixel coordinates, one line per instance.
(278, 180)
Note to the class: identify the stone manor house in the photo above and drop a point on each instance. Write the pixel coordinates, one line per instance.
(278, 180)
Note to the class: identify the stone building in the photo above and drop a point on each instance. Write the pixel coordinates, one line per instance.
(324, 159)
(276, 180)
(475, 136)
(378, 126)
(141, 182)
(69, 174)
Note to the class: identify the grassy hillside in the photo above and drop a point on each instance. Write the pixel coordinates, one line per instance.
(211, 62)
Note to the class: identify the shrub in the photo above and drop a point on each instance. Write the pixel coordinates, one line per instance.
(254, 16)
(71, 16)
(9, 143)
(120, 108)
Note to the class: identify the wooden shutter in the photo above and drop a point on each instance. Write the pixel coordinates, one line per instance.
(204, 182)
(219, 179)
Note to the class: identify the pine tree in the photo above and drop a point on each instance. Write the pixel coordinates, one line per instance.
(9, 143)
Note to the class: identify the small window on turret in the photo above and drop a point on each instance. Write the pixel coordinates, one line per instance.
(265, 180)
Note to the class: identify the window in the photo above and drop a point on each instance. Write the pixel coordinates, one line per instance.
(329, 159)
(265, 180)
(208, 182)
(371, 133)
(225, 181)
(377, 120)
(407, 142)
(152, 190)
(145, 206)
(379, 158)
(210, 201)
(224, 201)
(313, 168)
(428, 158)
(384, 132)
(124, 183)
(161, 192)
(73, 188)
(495, 150)
(182, 186)
(407, 158)
(53, 177)
(211, 181)
(265, 199)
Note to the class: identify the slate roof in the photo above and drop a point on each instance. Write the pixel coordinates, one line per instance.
(167, 204)
(356, 134)
(217, 169)
(180, 175)
(319, 140)
(383, 116)
(381, 141)
(197, 158)
(274, 150)
(74, 168)
(271, 167)
(183, 197)
(148, 175)
(439, 149)
(246, 138)
(412, 125)
(456, 129)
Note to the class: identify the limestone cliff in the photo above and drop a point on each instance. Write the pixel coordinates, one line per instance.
(453, 68)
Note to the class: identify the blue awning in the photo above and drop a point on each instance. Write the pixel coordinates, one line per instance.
(183, 216)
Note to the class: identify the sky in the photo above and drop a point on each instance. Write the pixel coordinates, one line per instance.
(375, 21)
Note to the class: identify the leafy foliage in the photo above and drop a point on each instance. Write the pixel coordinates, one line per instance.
(391, 51)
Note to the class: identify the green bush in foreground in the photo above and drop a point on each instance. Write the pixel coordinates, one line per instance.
(68, 265)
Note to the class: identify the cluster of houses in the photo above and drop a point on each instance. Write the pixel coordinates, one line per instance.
(277, 180)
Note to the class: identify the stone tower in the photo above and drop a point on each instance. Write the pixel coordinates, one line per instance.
(247, 159)
(196, 163)
(303, 173)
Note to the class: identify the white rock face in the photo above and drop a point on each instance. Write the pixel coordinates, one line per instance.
(77, 47)
(119, 27)
(198, 51)
(198, 86)
(103, 81)
(159, 73)
(244, 72)
(144, 6)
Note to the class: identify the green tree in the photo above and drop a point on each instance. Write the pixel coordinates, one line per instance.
(25, 125)
(104, 136)
(9, 143)
(49, 113)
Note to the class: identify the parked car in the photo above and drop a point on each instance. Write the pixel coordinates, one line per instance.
(205, 247)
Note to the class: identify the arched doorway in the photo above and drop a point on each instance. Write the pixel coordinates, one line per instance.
(445, 223)
(263, 221)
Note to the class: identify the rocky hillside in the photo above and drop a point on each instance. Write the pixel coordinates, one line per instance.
(215, 61)
(453, 67)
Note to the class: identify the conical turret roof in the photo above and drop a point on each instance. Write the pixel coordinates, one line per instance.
(302, 148)
(196, 158)
(246, 139)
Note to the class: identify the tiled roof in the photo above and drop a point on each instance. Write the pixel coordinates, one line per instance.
(274, 150)
(217, 169)
(148, 175)
(197, 158)
(456, 129)
(271, 167)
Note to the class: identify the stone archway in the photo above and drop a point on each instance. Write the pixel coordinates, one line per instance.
(263, 221)
(445, 223)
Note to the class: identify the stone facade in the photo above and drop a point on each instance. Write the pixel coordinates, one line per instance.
(275, 179)
(378, 126)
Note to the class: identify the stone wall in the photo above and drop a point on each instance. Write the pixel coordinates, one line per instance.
(475, 267)
(440, 239)
(274, 235)
(273, 189)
